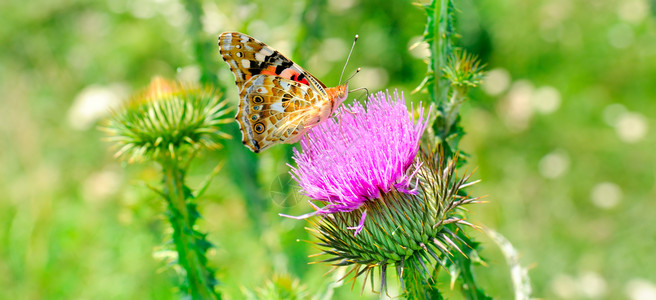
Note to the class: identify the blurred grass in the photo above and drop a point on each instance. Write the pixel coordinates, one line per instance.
(75, 224)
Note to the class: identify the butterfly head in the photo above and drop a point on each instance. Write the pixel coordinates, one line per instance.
(338, 95)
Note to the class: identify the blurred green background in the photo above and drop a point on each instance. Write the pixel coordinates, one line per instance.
(561, 133)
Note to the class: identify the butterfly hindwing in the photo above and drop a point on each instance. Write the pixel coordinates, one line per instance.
(273, 110)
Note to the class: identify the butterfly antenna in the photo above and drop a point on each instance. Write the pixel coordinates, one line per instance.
(347, 59)
(351, 77)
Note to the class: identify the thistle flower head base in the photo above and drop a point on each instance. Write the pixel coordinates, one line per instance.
(414, 233)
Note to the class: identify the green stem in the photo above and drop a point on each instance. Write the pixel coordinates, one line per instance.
(190, 244)
(438, 34)
(431, 34)
(451, 110)
(441, 51)
(443, 48)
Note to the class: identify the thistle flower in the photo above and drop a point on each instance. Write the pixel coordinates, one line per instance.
(166, 118)
(404, 200)
(368, 152)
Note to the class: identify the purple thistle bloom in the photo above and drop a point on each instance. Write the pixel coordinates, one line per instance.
(348, 160)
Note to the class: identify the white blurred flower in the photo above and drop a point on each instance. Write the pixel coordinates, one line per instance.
(337, 6)
(564, 286)
(633, 11)
(516, 109)
(213, 19)
(188, 74)
(606, 195)
(93, 103)
(418, 47)
(496, 81)
(592, 285)
(372, 78)
(640, 289)
(173, 11)
(546, 99)
(589, 285)
(554, 164)
(522, 100)
(631, 127)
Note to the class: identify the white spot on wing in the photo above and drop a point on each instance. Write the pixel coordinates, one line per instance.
(226, 41)
(259, 56)
(259, 80)
(277, 107)
(266, 51)
(246, 63)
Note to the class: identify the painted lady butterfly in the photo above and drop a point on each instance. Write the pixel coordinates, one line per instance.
(279, 101)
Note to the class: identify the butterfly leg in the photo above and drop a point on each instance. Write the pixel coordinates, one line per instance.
(338, 116)
(366, 90)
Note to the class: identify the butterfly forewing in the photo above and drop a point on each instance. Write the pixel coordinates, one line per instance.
(248, 56)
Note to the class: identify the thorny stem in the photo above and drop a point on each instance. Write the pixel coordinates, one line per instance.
(451, 111)
(443, 48)
(190, 244)
(439, 34)
(449, 106)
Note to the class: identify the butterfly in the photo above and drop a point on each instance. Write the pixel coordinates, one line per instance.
(278, 100)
